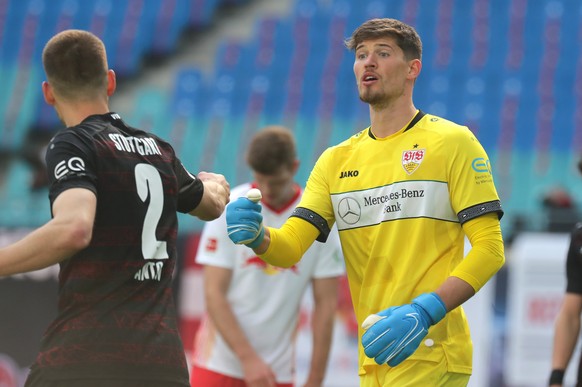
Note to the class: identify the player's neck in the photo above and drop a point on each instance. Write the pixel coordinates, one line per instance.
(74, 114)
(390, 119)
(285, 200)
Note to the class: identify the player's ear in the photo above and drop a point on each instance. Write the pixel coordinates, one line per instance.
(295, 166)
(414, 68)
(111, 83)
(47, 92)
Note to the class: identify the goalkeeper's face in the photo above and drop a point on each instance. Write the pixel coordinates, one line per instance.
(383, 74)
(278, 189)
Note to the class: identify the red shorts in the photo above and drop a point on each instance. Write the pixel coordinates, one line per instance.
(201, 377)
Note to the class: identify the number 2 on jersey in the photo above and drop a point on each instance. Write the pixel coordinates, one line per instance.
(149, 184)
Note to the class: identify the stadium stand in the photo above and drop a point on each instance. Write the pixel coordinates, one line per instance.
(132, 30)
(508, 70)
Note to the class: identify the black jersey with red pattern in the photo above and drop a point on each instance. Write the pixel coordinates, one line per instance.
(574, 273)
(116, 314)
(574, 261)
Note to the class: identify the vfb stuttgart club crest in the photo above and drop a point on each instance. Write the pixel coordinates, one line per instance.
(411, 159)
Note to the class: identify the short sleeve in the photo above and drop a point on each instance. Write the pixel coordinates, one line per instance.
(70, 164)
(574, 262)
(215, 248)
(190, 188)
(330, 260)
(471, 187)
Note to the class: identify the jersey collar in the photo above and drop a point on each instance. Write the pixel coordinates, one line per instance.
(289, 204)
(112, 117)
(413, 122)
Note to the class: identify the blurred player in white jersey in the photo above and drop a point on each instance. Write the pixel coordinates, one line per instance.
(247, 335)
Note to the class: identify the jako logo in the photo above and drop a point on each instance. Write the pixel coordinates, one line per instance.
(74, 164)
(349, 174)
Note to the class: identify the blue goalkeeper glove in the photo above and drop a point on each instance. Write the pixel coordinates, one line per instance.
(395, 333)
(244, 222)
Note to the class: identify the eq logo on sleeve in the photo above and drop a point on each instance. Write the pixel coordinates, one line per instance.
(481, 165)
(74, 164)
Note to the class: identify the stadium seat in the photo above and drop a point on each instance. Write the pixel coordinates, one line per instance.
(510, 71)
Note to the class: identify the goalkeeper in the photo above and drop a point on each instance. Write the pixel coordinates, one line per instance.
(404, 193)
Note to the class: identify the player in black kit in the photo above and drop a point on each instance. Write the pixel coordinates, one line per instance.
(567, 326)
(114, 194)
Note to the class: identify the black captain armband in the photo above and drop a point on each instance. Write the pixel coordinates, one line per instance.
(314, 219)
(556, 377)
(480, 209)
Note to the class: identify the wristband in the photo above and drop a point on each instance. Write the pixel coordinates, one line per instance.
(556, 377)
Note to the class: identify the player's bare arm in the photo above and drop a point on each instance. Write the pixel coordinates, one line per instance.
(216, 284)
(262, 248)
(215, 198)
(567, 330)
(325, 305)
(454, 292)
(68, 232)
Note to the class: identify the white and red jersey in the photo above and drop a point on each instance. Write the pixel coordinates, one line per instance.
(265, 299)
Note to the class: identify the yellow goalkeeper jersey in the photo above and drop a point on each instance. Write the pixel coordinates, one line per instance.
(399, 203)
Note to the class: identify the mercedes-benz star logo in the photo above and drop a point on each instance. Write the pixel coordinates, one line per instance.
(349, 210)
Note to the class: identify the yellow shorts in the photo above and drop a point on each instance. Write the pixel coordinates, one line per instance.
(413, 373)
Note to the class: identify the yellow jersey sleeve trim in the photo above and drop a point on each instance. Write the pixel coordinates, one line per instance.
(487, 253)
(290, 242)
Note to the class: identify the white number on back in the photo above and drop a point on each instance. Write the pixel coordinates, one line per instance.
(149, 184)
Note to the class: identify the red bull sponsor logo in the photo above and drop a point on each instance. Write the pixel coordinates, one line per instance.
(211, 245)
(266, 267)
